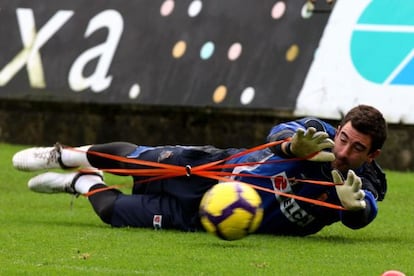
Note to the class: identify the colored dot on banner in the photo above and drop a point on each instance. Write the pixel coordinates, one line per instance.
(307, 10)
(234, 51)
(179, 49)
(292, 53)
(207, 50)
(167, 7)
(195, 8)
(247, 95)
(278, 10)
(220, 94)
(134, 91)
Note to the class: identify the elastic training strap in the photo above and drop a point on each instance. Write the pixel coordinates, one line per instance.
(209, 170)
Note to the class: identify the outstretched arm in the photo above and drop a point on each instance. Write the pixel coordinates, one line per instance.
(361, 206)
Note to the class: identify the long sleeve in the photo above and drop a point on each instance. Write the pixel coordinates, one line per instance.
(361, 218)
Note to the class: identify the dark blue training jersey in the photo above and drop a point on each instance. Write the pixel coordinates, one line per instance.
(287, 216)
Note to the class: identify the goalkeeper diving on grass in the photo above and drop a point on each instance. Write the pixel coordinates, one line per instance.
(168, 183)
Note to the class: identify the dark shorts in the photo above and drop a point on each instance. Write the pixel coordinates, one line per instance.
(167, 203)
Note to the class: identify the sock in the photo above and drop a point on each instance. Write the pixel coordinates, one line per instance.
(85, 182)
(75, 158)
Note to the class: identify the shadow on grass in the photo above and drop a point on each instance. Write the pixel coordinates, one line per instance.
(328, 238)
(65, 223)
(356, 239)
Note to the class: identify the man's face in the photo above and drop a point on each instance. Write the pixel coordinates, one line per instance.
(351, 148)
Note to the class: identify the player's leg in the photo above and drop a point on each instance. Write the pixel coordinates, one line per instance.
(58, 156)
(117, 209)
(38, 158)
(78, 183)
(72, 183)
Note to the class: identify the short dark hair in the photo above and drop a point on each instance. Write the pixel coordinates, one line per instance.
(370, 121)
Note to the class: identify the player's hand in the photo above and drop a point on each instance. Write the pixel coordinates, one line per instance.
(305, 143)
(349, 191)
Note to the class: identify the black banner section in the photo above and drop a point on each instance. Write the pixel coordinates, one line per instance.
(233, 53)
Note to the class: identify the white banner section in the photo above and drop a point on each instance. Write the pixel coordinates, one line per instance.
(365, 56)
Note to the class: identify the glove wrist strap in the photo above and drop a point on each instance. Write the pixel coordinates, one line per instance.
(288, 149)
(286, 153)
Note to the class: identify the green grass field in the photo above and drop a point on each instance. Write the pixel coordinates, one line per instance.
(51, 235)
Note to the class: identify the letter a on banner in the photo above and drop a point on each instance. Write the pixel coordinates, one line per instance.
(99, 80)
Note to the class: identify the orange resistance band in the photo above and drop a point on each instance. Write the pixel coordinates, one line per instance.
(209, 170)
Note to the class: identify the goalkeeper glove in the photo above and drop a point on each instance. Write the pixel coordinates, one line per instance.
(349, 191)
(305, 143)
